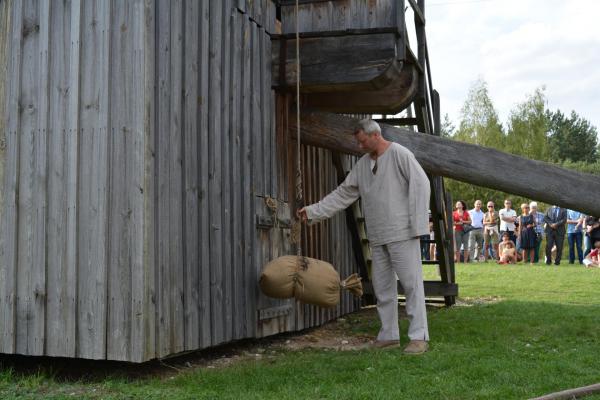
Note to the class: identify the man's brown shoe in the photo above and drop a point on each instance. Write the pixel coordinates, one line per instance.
(384, 344)
(416, 347)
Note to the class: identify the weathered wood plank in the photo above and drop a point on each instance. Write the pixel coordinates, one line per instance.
(164, 334)
(9, 221)
(135, 193)
(6, 9)
(444, 157)
(93, 187)
(256, 115)
(215, 193)
(327, 16)
(37, 338)
(257, 142)
(247, 181)
(148, 41)
(330, 63)
(237, 241)
(204, 151)
(191, 220)
(72, 156)
(270, 17)
(176, 178)
(126, 276)
(322, 16)
(265, 108)
(226, 184)
(26, 207)
(61, 291)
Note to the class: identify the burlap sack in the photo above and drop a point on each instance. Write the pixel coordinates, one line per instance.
(317, 283)
(277, 277)
(309, 280)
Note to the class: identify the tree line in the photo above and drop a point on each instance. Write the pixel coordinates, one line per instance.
(532, 131)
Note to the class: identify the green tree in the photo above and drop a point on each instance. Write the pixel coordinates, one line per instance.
(527, 127)
(573, 138)
(479, 124)
(447, 129)
(479, 119)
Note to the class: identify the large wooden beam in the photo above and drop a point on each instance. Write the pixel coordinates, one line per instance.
(353, 62)
(465, 162)
(388, 100)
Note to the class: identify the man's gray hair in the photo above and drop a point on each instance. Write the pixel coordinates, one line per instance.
(368, 126)
(533, 204)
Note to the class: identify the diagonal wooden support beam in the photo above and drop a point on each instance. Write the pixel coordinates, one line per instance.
(465, 162)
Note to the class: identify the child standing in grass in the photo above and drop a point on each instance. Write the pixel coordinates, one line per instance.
(507, 250)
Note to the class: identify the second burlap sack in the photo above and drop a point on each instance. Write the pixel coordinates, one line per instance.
(307, 279)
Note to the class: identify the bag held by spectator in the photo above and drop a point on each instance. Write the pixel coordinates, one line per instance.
(309, 280)
(467, 228)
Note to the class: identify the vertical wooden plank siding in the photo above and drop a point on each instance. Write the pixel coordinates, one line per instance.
(61, 308)
(8, 224)
(247, 180)
(163, 272)
(215, 193)
(175, 174)
(93, 186)
(36, 341)
(226, 184)
(258, 162)
(29, 109)
(122, 137)
(125, 296)
(6, 70)
(203, 151)
(137, 186)
(192, 101)
(147, 41)
(138, 142)
(235, 100)
(339, 15)
(72, 156)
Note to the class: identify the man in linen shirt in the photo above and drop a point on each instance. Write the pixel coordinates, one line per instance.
(395, 195)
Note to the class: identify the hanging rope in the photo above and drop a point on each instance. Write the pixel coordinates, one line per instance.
(297, 231)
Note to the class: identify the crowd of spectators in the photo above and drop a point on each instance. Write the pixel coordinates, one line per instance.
(508, 237)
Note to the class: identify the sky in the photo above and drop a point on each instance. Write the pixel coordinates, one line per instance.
(516, 46)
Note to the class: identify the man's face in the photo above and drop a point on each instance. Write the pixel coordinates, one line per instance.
(508, 204)
(478, 204)
(490, 206)
(533, 209)
(367, 143)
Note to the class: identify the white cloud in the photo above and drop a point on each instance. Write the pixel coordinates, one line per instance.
(517, 46)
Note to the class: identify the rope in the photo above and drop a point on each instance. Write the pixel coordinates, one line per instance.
(297, 230)
(272, 205)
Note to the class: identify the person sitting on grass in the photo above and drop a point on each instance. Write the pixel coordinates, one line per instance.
(507, 250)
(591, 260)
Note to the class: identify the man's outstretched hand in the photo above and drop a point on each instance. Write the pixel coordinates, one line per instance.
(301, 214)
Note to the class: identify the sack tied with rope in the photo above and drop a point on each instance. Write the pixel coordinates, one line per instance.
(309, 280)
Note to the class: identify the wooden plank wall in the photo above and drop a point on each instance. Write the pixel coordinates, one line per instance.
(336, 15)
(73, 232)
(139, 141)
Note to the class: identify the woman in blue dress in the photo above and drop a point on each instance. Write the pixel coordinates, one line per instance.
(526, 233)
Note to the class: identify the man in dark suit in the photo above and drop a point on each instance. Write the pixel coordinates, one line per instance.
(555, 219)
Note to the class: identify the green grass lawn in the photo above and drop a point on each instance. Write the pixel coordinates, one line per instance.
(517, 332)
